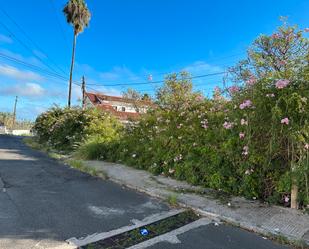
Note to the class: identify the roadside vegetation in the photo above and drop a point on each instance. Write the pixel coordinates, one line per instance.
(7, 120)
(64, 129)
(250, 139)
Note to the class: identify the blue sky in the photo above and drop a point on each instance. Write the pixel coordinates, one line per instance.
(127, 41)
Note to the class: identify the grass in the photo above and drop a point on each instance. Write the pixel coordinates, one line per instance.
(172, 200)
(296, 244)
(133, 237)
(33, 143)
(74, 163)
(79, 165)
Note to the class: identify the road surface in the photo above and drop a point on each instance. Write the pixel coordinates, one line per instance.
(43, 203)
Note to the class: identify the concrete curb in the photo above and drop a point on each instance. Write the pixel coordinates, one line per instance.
(250, 215)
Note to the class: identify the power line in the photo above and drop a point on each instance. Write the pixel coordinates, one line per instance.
(36, 68)
(26, 46)
(30, 39)
(159, 81)
(32, 66)
(207, 62)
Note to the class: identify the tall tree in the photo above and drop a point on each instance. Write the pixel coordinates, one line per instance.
(78, 15)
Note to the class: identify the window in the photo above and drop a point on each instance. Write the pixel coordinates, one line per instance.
(123, 109)
(115, 107)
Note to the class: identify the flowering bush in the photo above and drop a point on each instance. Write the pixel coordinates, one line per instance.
(251, 139)
(64, 128)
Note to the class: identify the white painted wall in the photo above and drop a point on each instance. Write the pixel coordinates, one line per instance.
(21, 132)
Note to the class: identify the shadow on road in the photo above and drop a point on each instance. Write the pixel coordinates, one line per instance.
(42, 199)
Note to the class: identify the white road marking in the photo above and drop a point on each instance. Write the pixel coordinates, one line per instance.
(105, 211)
(171, 237)
(137, 223)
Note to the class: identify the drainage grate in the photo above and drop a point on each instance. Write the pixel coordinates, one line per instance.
(133, 237)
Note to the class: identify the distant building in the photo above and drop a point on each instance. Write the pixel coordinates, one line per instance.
(123, 108)
(3, 129)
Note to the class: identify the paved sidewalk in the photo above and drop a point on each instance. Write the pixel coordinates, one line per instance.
(251, 215)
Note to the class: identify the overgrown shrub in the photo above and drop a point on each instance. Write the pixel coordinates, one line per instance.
(67, 128)
(251, 139)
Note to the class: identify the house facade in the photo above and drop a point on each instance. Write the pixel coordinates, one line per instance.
(123, 108)
(3, 129)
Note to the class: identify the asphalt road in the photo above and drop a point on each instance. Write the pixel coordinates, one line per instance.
(46, 202)
(43, 203)
(218, 237)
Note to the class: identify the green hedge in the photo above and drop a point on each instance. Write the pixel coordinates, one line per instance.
(65, 129)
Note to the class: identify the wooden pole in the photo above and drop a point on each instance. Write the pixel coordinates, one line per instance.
(14, 112)
(84, 93)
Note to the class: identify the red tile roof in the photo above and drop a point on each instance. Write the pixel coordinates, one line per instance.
(96, 99)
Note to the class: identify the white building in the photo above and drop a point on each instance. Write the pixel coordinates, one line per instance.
(122, 108)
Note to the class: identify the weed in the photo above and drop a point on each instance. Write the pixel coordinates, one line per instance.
(172, 200)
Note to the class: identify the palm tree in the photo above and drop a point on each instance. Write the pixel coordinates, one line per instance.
(78, 15)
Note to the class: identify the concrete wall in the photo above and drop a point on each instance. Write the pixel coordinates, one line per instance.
(21, 132)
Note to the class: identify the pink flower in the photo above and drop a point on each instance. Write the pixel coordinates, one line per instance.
(249, 171)
(286, 199)
(275, 36)
(233, 89)
(245, 150)
(306, 30)
(270, 95)
(171, 171)
(243, 122)
(245, 104)
(251, 81)
(306, 146)
(228, 125)
(285, 121)
(199, 98)
(280, 84)
(204, 123)
(281, 63)
(178, 158)
(217, 90)
(241, 135)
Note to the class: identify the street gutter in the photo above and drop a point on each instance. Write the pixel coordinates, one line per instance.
(271, 221)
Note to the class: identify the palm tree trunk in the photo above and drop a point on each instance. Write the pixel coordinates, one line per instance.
(71, 71)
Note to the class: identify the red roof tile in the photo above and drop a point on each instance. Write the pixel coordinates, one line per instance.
(95, 100)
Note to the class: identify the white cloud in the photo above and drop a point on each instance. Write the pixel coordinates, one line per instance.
(15, 73)
(5, 39)
(201, 67)
(26, 90)
(205, 84)
(18, 56)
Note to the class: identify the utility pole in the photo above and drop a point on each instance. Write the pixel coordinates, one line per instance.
(14, 113)
(84, 93)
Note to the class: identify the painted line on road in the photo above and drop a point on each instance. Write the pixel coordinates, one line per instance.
(137, 223)
(171, 237)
